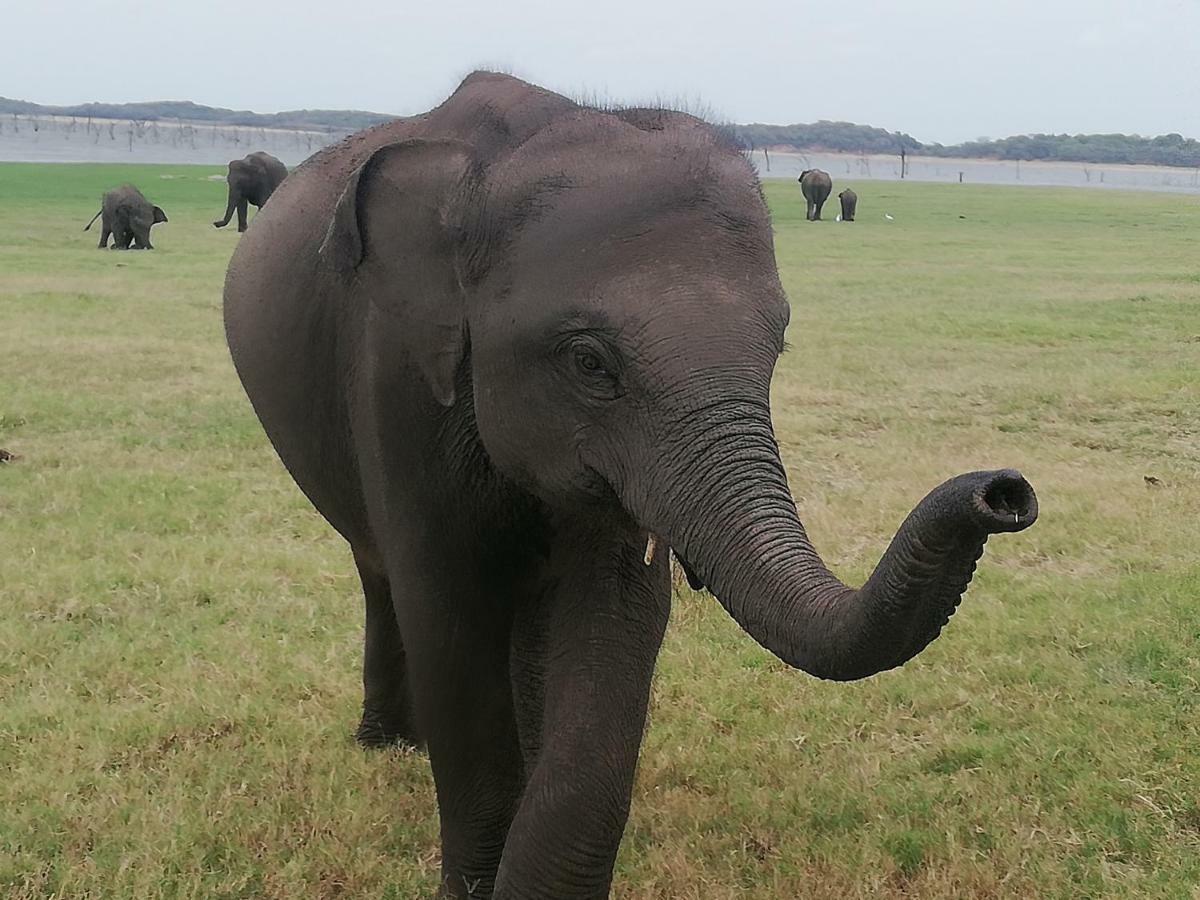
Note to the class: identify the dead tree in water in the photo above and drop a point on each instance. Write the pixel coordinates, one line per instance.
(903, 155)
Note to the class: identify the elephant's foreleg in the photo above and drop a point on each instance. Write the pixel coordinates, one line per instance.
(456, 638)
(241, 213)
(229, 208)
(387, 716)
(604, 625)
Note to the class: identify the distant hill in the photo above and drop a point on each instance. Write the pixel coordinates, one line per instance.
(844, 137)
(301, 119)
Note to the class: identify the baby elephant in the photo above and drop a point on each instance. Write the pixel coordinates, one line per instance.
(849, 204)
(127, 215)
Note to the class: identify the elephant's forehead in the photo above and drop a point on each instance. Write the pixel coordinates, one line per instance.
(685, 299)
(653, 284)
(581, 243)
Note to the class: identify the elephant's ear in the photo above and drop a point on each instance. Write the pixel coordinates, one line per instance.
(394, 234)
(159, 215)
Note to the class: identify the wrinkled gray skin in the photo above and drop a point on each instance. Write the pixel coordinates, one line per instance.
(251, 181)
(849, 204)
(816, 186)
(499, 346)
(127, 216)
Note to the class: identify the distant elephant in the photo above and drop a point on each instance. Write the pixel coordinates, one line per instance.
(251, 179)
(849, 204)
(816, 186)
(127, 215)
(516, 350)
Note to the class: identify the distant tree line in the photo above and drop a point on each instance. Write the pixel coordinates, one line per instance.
(1164, 150)
(846, 137)
(841, 137)
(318, 119)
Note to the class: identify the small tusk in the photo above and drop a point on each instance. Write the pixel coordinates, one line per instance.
(651, 544)
(1016, 518)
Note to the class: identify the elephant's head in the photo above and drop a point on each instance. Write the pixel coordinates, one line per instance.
(606, 301)
(248, 180)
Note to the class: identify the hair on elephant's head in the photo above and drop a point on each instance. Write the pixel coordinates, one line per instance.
(602, 294)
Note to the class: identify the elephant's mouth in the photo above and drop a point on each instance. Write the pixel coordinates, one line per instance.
(693, 579)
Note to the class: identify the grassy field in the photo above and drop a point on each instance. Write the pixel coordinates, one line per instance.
(180, 632)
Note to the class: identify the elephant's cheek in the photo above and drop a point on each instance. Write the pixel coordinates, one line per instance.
(506, 435)
(532, 451)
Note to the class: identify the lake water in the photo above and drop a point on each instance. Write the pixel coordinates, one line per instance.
(853, 167)
(65, 139)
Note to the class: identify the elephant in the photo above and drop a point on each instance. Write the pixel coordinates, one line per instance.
(515, 350)
(849, 204)
(816, 186)
(127, 215)
(252, 179)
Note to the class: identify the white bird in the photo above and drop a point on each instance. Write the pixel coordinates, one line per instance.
(889, 218)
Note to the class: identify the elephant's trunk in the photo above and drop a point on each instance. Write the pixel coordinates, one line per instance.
(730, 516)
(229, 208)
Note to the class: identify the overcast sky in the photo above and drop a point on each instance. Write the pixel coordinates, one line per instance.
(942, 70)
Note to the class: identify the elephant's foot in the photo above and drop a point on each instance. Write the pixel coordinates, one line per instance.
(219, 224)
(379, 730)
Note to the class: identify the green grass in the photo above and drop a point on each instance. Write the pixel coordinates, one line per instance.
(180, 632)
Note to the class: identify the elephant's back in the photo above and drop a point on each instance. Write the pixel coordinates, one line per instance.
(124, 197)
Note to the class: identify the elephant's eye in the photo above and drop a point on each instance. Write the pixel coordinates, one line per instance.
(594, 365)
(588, 362)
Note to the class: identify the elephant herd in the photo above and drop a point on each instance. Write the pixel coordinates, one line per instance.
(517, 351)
(816, 186)
(127, 216)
